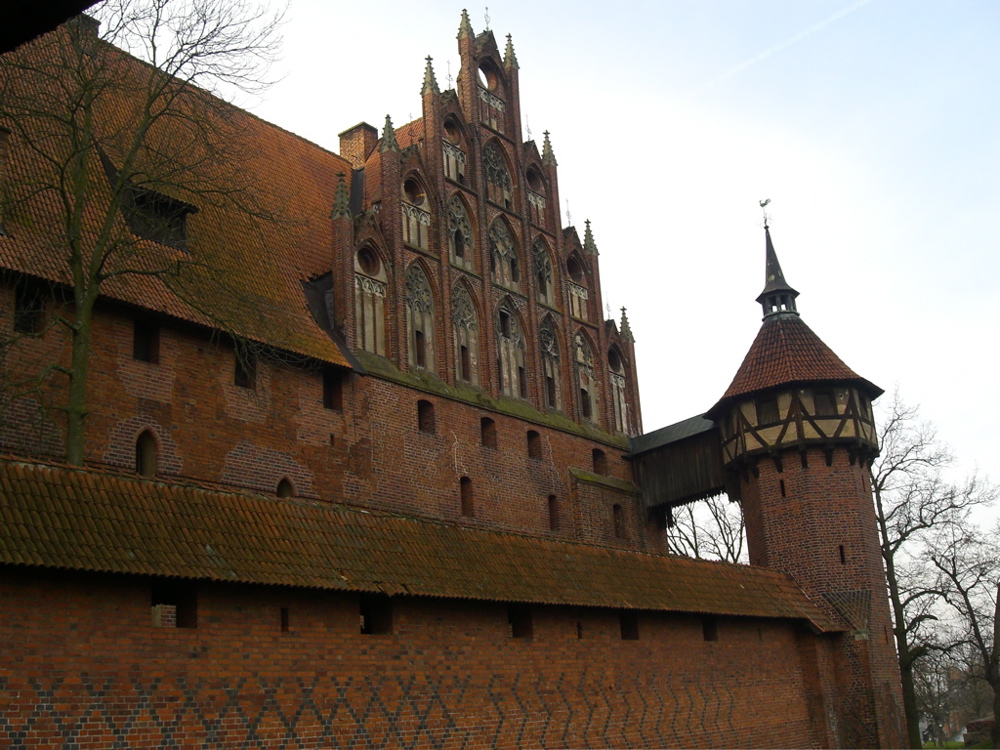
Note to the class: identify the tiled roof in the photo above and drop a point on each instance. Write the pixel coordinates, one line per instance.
(77, 519)
(241, 274)
(670, 434)
(786, 351)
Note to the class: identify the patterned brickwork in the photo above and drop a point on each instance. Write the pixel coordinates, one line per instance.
(101, 676)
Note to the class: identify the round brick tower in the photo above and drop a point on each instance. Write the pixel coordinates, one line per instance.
(798, 437)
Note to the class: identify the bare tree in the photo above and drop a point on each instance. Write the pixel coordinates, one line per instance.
(968, 580)
(110, 155)
(710, 529)
(913, 501)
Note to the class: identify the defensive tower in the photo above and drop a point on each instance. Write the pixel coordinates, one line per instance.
(798, 436)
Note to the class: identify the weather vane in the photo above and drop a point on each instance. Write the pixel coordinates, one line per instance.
(449, 73)
(763, 208)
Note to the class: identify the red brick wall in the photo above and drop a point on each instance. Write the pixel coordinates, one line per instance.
(83, 663)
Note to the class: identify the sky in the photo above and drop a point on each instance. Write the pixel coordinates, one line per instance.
(872, 126)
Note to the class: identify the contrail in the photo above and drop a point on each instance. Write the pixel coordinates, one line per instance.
(779, 46)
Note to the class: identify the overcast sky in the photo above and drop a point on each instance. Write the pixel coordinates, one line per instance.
(872, 126)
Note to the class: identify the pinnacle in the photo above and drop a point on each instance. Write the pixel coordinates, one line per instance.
(626, 329)
(777, 297)
(465, 28)
(430, 83)
(509, 58)
(548, 158)
(388, 137)
(341, 202)
(589, 246)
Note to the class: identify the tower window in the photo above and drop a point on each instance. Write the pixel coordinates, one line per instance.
(628, 623)
(376, 614)
(145, 455)
(825, 402)
(767, 411)
(553, 513)
(600, 461)
(425, 417)
(333, 389)
(488, 432)
(534, 444)
(519, 621)
(145, 342)
(465, 492)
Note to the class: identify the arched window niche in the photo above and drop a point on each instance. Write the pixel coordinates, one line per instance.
(498, 182)
(466, 328)
(552, 383)
(416, 214)
(579, 291)
(505, 265)
(587, 384)
(419, 318)
(536, 197)
(455, 157)
(461, 243)
(370, 288)
(619, 402)
(541, 262)
(146, 450)
(511, 373)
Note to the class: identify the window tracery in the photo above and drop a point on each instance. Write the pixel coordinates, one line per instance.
(510, 353)
(460, 237)
(370, 290)
(542, 263)
(504, 263)
(585, 378)
(550, 365)
(416, 214)
(420, 318)
(618, 389)
(498, 182)
(466, 327)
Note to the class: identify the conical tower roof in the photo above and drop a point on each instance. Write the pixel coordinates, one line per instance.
(786, 350)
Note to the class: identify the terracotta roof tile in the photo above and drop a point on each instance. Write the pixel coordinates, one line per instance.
(786, 351)
(115, 523)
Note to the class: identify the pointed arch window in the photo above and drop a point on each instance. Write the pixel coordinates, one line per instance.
(536, 197)
(370, 287)
(552, 389)
(466, 326)
(511, 373)
(579, 294)
(498, 182)
(416, 214)
(585, 377)
(419, 318)
(505, 265)
(619, 402)
(544, 279)
(491, 106)
(460, 237)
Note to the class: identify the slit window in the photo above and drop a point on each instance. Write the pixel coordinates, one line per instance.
(600, 460)
(488, 432)
(519, 622)
(710, 628)
(145, 455)
(618, 517)
(534, 444)
(284, 619)
(465, 363)
(553, 513)
(376, 614)
(843, 556)
(425, 417)
(146, 342)
(628, 624)
(245, 370)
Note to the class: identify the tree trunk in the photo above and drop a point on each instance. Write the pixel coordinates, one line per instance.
(76, 403)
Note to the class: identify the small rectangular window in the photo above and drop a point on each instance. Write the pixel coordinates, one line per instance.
(376, 614)
(146, 342)
(284, 619)
(825, 402)
(245, 370)
(333, 389)
(710, 628)
(425, 417)
(553, 513)
(174, 605)
(534, 444)
(767, 411)
(628, 622)
(29, 308)
(519, 621)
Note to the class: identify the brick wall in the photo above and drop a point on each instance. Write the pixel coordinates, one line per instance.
(85, 667)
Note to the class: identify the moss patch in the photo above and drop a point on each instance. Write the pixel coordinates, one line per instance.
(612, 482)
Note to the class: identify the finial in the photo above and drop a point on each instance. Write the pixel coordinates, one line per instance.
(589, 246)
(388, 137)
(509, 58)
(341, 201)
(449, 74)
(430, 83)
(486, 17)
(569, 216)
(548, 158)
(465, 27)
(626, 329)
(778, 297)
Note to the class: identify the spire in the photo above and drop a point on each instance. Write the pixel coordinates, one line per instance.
(465, 28)
(626, 329)
(589, 246)
(548, 158)
(509, 58)
(342, 201)
(778, 298)
(388, 138)
(430, 83)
